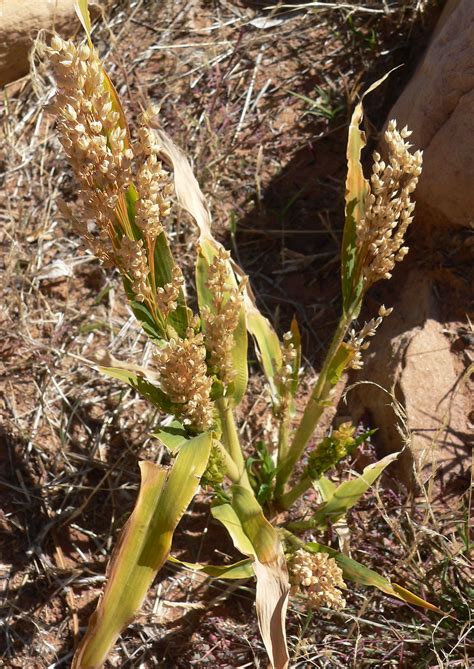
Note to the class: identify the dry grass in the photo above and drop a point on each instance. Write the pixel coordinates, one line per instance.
(232, 94)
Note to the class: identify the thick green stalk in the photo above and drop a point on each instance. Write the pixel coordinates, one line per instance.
(314, 409)
(231, 468)
(283, 437)
(290, 497)
(231, 441)
(303, 525)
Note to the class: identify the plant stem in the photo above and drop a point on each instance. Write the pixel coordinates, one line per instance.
(283, 435)
(230, 438)
(290, 538)
(231, 468)
(314, 409)
(290, 497)
(303, 525)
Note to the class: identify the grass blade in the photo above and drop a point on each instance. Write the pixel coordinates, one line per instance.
(82, 11)
(354, 571)
(348, 493)
(143, 548)
(145, 388)
(242, 569)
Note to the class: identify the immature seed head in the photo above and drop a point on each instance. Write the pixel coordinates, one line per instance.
(214, 474)
(284, 376)
(389, 206)
(317, 576)
(331, 450)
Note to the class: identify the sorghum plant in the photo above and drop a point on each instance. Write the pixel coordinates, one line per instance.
(199, 371)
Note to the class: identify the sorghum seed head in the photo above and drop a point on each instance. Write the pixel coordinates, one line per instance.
(318, 577)
(221, 319)
(181, 365)
(388, 207)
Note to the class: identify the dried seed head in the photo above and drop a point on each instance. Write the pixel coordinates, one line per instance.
(357, 340)
(99, 244)
(284, 376)
(389, 206)
(181, 365)
(222, 319)
(167, 297)
(93, 140)
(317, 576)
(89, 128)
(153, 184)
(132, 261)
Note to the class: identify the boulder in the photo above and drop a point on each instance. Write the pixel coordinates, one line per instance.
(438, 106)
(411, 355)
(20, 22)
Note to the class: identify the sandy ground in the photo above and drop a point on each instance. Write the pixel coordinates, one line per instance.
(260, 102)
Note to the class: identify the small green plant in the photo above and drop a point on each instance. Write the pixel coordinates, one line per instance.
(199, 371)
(323, 105)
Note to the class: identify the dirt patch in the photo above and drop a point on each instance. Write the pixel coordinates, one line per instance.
(262, 110)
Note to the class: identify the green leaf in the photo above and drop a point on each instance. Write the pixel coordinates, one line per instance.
(242, 569)
(143, 547)
(261, 470)
(339, 363)
(172, 436)
(354, 571)
(180, 319)
(262, 535)
(145, 388)
(348, 493)
(82, 12)
(357, 188)
(266, 341)
(239, 360)
(226, 515)
(326, 487)
(143, 315)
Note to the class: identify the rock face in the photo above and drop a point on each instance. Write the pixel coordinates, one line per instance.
(412, 353)
(438, 106)
(20, 21)
(413, 357)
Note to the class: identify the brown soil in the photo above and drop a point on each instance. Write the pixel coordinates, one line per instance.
(272, 166)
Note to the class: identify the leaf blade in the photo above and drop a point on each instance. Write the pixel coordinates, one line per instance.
(357, 572)
(238, 570)
(143, 547)
(348, 493)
